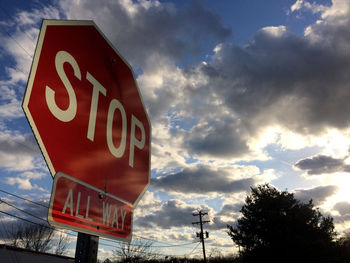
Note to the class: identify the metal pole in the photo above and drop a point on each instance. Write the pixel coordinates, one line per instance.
(86, 249)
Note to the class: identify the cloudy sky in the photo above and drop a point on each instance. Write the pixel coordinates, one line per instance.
(239, 93)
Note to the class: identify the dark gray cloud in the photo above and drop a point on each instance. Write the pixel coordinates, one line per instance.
(322, 164)
(155, 37)
(282, 79)
(318, 194)
(202, 180)
(344, 212)
(226, 139)
(173, 213)
(230, 209)
(18, 144)
(300, 83)
(219, 223)
(18, 152)
(144, 30)
(343, 208)
(227, 215)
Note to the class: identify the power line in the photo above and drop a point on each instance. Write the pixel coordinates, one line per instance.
(25, 199)
(4, 11)
(193, 249)
(162, 242)
(178, 245)
(35, 223)
(167, 245)
(21, 218)
(159, 254)
(143, 252)
(18, 43)
(102, 243)
(23, 211)
(29, 221)
(19, 69)
(10, 35)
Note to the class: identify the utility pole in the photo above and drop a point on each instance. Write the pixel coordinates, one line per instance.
(201, 234)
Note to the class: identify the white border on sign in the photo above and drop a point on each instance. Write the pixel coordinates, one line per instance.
(31, 77)
(78, 229)
(29, 88)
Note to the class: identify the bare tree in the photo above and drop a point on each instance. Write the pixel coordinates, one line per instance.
(134, 251)
(38, 238)
(62, 244)
(215, 253)
(33, 237)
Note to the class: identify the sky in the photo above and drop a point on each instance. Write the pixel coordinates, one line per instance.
(239, 93)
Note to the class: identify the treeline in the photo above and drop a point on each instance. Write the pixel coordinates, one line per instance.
(273, 227)
(230, 259)
(276, 227)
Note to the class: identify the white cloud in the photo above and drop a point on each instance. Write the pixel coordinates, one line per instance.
(338, 12)
(20, 43)
(105, 253)
(12, 109)
(280, 88)
(22, 183)
(27, 19)
(297, 5)
(24, 180)
(313, 7)
(18, 152)
(275, 31)
(147, 205)
(166, 151)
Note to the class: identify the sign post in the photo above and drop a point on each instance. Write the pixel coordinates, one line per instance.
(86, 112)
(86, 249)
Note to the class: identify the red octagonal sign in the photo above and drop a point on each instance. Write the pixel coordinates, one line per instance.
(86, 111)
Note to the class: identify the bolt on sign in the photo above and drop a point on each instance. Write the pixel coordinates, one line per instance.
(86, 112)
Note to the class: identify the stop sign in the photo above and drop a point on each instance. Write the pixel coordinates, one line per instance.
(86, 111)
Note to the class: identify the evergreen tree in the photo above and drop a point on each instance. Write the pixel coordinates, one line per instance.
(276, 227)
